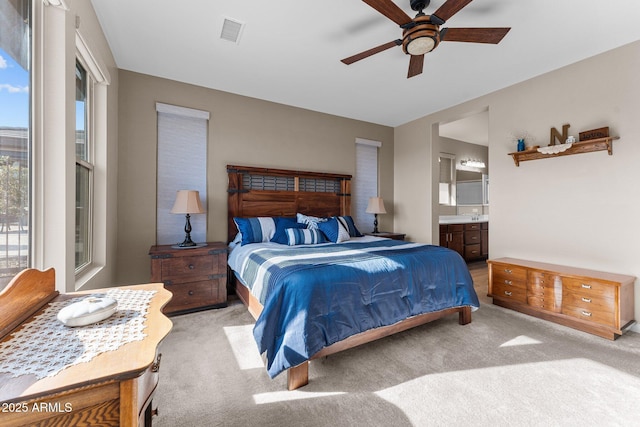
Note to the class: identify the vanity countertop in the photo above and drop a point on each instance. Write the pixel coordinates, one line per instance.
(462, 219)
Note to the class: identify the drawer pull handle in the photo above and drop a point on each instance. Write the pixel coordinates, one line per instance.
(156, 365)
(507, 293)
(586, 299)
(190, 293)
(585, 286)
(191, 267)
(508, 282)
(506, 270)
(586, 313)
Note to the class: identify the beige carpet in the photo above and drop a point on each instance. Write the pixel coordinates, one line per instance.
(504, 368)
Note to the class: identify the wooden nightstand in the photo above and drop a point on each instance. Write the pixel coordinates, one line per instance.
(394, 236)
(196, 277)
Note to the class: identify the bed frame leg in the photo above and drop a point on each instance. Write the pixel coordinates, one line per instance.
(298, 376)
(464, 317)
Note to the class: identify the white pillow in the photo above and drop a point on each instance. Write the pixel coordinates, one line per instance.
(90, 310)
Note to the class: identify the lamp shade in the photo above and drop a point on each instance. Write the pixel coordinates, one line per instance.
(376, 206)
(187, 202)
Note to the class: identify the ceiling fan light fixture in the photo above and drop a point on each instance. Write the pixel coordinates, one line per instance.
(420, 46)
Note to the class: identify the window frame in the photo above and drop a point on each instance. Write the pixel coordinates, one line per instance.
(87, 164)
(28, 189)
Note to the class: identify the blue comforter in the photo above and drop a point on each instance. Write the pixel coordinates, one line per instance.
(314, 296)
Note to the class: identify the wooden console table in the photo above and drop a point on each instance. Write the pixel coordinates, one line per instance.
(592, 301)
(114, 388)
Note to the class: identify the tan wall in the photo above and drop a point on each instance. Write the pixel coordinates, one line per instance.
(574, 210)
(242, 131)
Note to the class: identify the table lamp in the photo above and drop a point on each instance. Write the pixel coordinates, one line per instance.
(376, 206)
(187, 202)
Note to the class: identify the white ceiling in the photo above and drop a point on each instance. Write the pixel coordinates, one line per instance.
(290, 50)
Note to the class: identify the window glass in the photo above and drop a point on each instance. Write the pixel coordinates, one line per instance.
(84, 170)
(15, 76)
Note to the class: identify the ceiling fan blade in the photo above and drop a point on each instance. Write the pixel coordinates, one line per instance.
(372, 51)
(415, 65)
(389, 9)
(449, 8)
(473, 35)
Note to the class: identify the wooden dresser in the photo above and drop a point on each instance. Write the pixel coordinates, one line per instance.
(592, 301)
(197, 277)
(114, 388)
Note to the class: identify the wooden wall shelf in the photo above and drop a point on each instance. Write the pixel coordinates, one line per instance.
(590, 146)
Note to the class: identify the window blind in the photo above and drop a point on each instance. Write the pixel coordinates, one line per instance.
(365, 183)
(182, 165)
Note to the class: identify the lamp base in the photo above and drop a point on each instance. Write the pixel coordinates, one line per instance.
(375, 224)
(187, 242)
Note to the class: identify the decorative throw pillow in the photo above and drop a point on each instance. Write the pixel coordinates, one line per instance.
(310, 221)
(348, 223)
(282, 224)
(334, 231)
(256, 230)
(304, 236)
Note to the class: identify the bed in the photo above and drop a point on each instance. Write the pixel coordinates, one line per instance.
(313, 296)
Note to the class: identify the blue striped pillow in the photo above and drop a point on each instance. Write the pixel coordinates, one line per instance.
(348, 223)
(304, 236)
(310, 221)
(334, 231)
(256, 230)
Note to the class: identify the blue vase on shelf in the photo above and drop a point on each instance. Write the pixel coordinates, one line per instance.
(521, 144)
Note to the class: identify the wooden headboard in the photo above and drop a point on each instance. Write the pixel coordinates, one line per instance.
(254, 192)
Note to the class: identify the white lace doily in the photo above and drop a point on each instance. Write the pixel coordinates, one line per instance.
(44, 346)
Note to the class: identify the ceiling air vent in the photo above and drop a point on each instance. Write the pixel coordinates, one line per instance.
(231, 30)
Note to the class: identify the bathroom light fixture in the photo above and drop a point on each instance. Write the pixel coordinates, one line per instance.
(473, 163)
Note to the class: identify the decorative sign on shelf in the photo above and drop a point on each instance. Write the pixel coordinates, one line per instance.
(594, 134)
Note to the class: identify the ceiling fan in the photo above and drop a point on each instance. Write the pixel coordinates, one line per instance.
(422, 34)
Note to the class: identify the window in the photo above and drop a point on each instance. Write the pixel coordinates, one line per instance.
(447, 183)
(84, 168)
(365, 182)
(182, 165)
(15, 140)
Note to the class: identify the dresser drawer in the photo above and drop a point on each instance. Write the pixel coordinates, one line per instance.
(591, 313)
(472, 226)
(509, 292)
(147, 384)
(589, 288)
(509, 274)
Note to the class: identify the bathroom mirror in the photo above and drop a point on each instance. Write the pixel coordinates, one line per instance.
(472, 188)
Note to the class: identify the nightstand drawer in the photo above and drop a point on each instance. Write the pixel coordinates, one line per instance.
(188, 268)
(191, 295)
